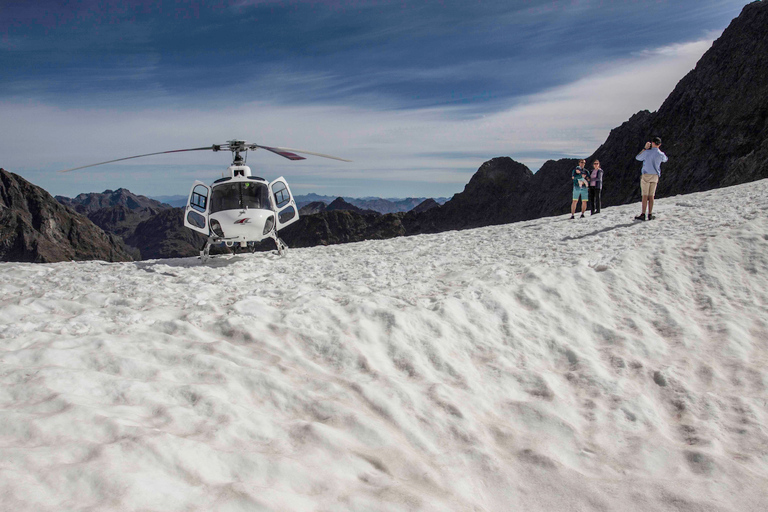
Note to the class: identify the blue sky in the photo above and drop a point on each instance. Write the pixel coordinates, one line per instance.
(417, 93)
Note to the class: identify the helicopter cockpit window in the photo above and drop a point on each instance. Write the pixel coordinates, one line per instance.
(239, 195)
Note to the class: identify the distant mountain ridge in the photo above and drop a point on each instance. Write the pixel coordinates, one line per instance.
(34, 227)
(381, 205)
(92, 201)
(378, 204)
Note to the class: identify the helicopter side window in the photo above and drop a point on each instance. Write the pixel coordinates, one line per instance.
(199, 198)
(282, 197)
(287, 214)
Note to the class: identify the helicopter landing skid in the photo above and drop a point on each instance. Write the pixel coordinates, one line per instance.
(205, 253)
(281, 246)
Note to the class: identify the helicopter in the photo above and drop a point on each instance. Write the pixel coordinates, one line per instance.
(239, 209)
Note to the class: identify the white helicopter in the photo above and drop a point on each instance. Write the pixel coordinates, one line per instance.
(239, 209)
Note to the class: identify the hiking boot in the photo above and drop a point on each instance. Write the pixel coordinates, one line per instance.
(650, 216)
(640, 217)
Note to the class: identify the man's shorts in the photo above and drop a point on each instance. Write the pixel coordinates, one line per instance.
(579, 193)
(648, 184)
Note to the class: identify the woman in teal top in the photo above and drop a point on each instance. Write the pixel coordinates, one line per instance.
(580, 179)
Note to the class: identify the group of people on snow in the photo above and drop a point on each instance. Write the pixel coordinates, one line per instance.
(588, 184)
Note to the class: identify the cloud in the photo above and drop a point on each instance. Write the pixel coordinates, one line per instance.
(435, 151)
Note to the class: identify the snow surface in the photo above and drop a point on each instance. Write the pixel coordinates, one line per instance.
(551, 365)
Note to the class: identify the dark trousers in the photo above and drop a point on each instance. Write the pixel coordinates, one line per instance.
(594, 199)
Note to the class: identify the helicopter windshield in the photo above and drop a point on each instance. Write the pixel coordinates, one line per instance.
(239, 195)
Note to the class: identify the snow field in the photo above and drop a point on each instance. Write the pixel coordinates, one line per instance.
(555, 364)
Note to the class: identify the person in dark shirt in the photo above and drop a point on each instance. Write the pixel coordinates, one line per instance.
(580, 178)
(595, 188)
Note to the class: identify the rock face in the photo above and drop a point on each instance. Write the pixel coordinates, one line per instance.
(340, 204)
(342, 226)
(93, 201)
(312, 208)
(149, 228)
(376, 204)
(34, 227)
(163, 235)
(425, 205)
(495, 195)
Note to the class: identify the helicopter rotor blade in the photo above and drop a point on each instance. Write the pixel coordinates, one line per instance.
(283, 153)
(289, 153)
(208, 148)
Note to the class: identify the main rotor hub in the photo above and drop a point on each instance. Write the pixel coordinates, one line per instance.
(238, 146)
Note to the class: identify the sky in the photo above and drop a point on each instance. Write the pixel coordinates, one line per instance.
(418, 94)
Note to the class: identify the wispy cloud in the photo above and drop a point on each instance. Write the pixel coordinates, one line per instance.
(436, 150)
(414, 92)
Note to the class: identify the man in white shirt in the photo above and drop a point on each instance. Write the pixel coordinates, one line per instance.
(652, 158)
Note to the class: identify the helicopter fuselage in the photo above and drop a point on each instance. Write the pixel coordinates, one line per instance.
(240, 208)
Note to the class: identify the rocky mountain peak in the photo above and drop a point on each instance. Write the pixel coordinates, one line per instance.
(35, 227)
(340, 204)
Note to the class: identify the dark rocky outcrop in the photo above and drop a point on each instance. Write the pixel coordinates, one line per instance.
(163, 235)
(149, 228)
(93, 201)
(340, 204)
(312, 208)
(495, 195)
(377, 204)
(425, 205)
(121, 220)
(34, 227)
(342, 226)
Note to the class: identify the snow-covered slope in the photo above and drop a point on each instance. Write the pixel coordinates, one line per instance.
(593, 364)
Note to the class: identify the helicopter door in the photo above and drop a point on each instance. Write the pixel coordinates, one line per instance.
(198, 207)
(285, 206)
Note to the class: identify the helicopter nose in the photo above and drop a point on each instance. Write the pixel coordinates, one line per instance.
(242, 224)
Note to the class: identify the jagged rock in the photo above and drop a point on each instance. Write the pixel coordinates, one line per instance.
(163, 235)
(34, 227)
(425, 205)
(312, 208)
(340, 204)
(494, 195)
(378, 204)
(121, 220)
(93, 201)
(341, 226)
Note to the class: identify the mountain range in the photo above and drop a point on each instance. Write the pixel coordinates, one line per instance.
(378, 204)
(714, 127)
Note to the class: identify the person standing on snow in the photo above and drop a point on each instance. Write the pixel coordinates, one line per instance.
(652, 158)
(580, 178)
(595, 188)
